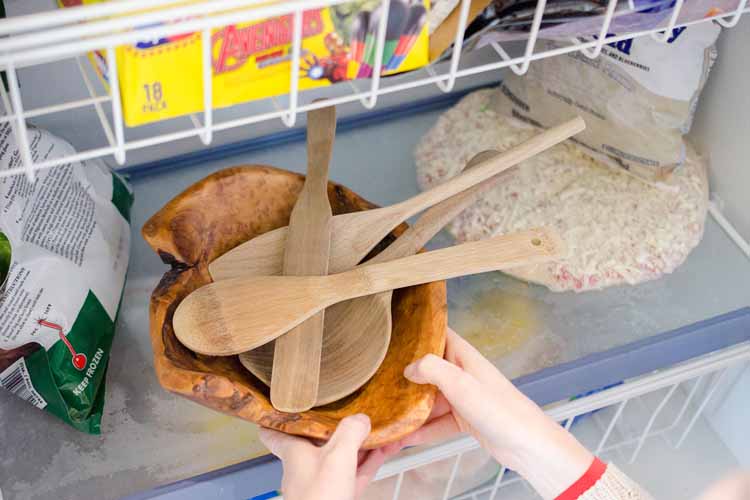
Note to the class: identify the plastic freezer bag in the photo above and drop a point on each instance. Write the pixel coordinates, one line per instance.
(64, 249)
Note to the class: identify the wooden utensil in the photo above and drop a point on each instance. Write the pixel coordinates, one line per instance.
(233, 316)
(296, 362)
(354, 235)
(348, 360)
(243, 202)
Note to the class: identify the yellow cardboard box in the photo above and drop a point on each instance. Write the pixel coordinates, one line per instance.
(162, 78)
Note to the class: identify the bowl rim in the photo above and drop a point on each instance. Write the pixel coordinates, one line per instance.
(204, 386)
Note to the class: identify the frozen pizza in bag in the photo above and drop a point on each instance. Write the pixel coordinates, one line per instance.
(64, 249)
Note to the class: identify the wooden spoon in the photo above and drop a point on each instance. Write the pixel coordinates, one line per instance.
(233, 316)
(296, 363)
(358, 332)
(354, 235)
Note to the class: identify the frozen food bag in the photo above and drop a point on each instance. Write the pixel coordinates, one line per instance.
(637, 98)
(64, 249)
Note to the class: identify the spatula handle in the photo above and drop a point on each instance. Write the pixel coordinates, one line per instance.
(435, 218)
(296, 366)
(493, 166)
(501, 252)
(321, 129)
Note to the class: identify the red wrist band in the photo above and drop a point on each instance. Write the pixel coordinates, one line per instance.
(585, 482)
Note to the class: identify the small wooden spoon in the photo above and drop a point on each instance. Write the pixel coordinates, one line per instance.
(354, 235)
(358, 332)
(233, 316)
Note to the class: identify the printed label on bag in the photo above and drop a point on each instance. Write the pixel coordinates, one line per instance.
(64, 255)
(17, 380)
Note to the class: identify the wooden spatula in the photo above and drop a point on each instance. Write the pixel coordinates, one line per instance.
(296, 362)
(232, 316)
(354, 235)
(366, 322)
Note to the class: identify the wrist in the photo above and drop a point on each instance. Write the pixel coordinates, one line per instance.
(551, 461)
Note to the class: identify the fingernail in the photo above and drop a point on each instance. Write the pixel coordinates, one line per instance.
(410, 371)
(361, 417)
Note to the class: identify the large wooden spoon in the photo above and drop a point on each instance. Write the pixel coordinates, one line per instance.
(296, 365)
(358, 332)
(233, 316)
(354, 235)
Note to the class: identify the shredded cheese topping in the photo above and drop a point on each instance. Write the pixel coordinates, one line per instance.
(618, 228)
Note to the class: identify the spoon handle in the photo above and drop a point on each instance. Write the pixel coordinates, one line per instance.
(232, 316)
(366, 235)
(501, 252)
(355, 234)
(492, 167)
(435, 218)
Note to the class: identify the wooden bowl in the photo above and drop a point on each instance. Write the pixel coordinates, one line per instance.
(230, 207)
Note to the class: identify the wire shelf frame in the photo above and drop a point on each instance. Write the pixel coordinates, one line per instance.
(47, 37)
(686, 389)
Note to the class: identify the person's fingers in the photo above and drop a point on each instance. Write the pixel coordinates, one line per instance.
(468, 397)
(350, 433)
(392, 449)
(439, 408)
(455, 383)
(431, 369)
(461, 353)
(367, 470)
(362, 456)
(436, 430)
(371, 464)
(735, 486)
(280, 444)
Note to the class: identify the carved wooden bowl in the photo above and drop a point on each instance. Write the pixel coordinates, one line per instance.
(230, 207)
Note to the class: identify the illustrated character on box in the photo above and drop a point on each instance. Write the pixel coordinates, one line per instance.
(332, 68)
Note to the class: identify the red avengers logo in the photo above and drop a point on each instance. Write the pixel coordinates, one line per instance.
(237, 45)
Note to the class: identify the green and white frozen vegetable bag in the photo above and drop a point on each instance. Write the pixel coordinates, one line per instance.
(65, 246)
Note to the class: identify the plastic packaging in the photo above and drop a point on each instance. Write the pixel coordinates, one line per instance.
(68, 237)
(637, 97)
(253, 60)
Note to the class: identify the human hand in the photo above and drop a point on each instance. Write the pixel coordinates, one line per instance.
(735, 486)
(476, 398)
(337, 470)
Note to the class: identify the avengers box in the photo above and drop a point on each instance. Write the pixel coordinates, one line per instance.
(162, 78)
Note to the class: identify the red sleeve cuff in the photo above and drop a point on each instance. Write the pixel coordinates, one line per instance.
(585, 482)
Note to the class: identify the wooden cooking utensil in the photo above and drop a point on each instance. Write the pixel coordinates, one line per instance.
(296, 363)
(348, 361)
(354, 235)
(233, 316)
(242, 203)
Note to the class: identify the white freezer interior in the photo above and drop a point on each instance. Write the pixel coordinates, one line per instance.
(151, 437)
(721, 131)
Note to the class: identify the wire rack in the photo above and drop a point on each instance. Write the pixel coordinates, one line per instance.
(614, 423)
(49, 37)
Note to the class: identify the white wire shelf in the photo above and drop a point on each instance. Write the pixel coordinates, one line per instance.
(49, 37)
(614, 424)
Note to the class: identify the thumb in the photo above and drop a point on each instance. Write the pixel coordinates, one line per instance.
(455, 384)
(280, 444)
(351, 432)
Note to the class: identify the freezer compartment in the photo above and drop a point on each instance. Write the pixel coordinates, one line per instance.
(564, 344)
